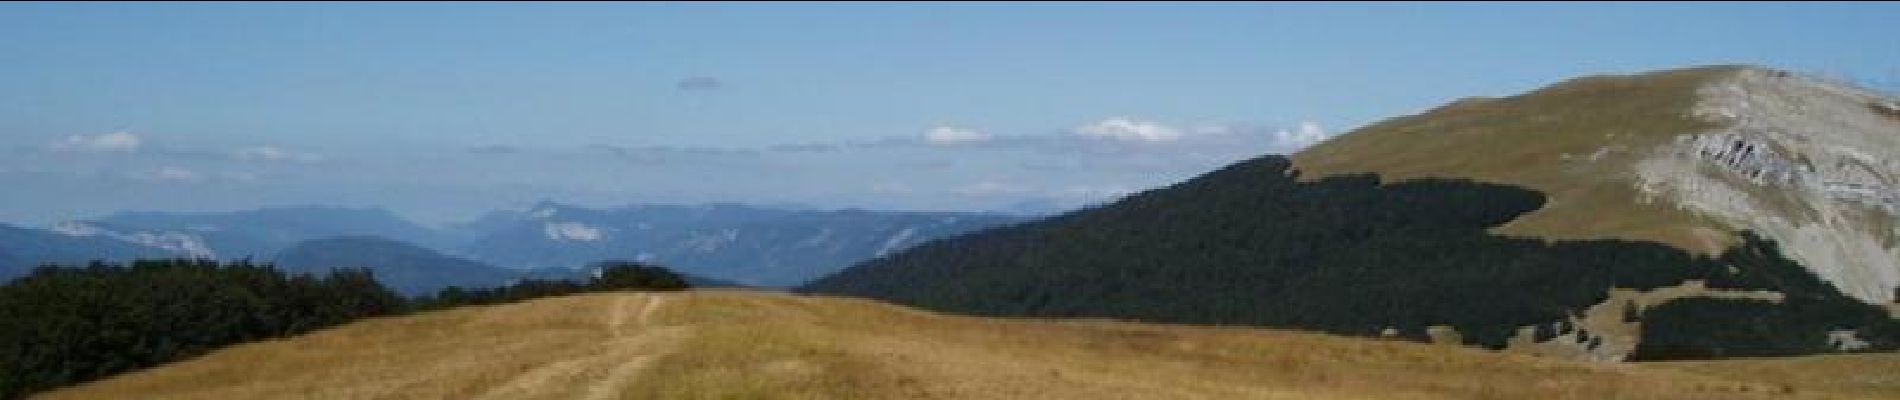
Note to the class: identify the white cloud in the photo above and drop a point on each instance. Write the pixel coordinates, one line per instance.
(991, 188)
(169, 174)
(1212, 129)
(1308, 133)
(121, 141)
(944, 135)
(273, 153)
(1126, 129)
(892, 188)
(177, 174)
(671, 154)
(1087, 192)
(239, 176)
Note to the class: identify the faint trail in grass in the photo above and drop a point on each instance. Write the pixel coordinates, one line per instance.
(631, 345)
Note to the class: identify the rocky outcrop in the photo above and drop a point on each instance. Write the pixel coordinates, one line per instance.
(1814, 165)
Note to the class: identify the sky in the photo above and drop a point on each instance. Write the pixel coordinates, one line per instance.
(441, 112)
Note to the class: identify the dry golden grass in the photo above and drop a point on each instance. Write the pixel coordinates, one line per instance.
(734, 344)
(1573, 141)
(1873, 376)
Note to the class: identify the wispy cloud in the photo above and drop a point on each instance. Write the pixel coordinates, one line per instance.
(1017, 195)
(671, 154)
(169, 174)
(926, 164)
(891, 188)
(804, 148)
(952, 136)
(178, 174)
(122, 142)
(1092, 192)
(1307, 134)
(1128, 129)
(991, 188)
(239, 176)
(274, 153)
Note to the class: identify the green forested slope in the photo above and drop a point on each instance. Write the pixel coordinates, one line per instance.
(1252, 244)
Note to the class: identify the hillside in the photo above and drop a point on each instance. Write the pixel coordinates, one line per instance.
(1529, 140)
(758, 345)
(1263, 242)
(1685, 157)
(22, 249)
(405, 268)
(249, 233)
(1861, 375)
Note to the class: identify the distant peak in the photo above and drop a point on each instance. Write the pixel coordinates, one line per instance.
(545, 209)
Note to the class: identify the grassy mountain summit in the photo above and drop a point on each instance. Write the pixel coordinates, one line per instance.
(717, 344)
(1438, 250)
(1684, 157)
(1531, 139)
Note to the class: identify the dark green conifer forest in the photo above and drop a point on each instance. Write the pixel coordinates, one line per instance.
(68, 324)
(1251, 244)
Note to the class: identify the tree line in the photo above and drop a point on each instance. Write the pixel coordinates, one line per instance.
(62, 325)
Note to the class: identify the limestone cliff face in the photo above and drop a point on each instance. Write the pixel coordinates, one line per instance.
(1814, 165)
(1683, 157)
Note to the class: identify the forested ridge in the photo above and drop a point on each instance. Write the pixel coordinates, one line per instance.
(1251, 244)
(67, 324)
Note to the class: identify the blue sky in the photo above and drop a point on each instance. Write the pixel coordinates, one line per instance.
(442, 111)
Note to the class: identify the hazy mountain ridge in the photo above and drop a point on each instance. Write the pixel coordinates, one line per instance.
(405, 268)
(719, 244)
(746, 244)
(21, 249)
(256, 233)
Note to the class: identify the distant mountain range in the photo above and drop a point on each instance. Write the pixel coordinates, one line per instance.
(254, 233)
(719, 244)
(405, 268)
(750, 245)
(21, 249)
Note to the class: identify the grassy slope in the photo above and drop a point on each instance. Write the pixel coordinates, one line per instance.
(1523, 140)
(1871, 376)
(730, 344)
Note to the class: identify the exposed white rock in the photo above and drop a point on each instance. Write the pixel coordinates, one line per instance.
(895, 242)
(1846, 340)
(75, 228)
(183, 243)
(708, 243)
(1813, 165)
(572, 231)
(824, 235)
